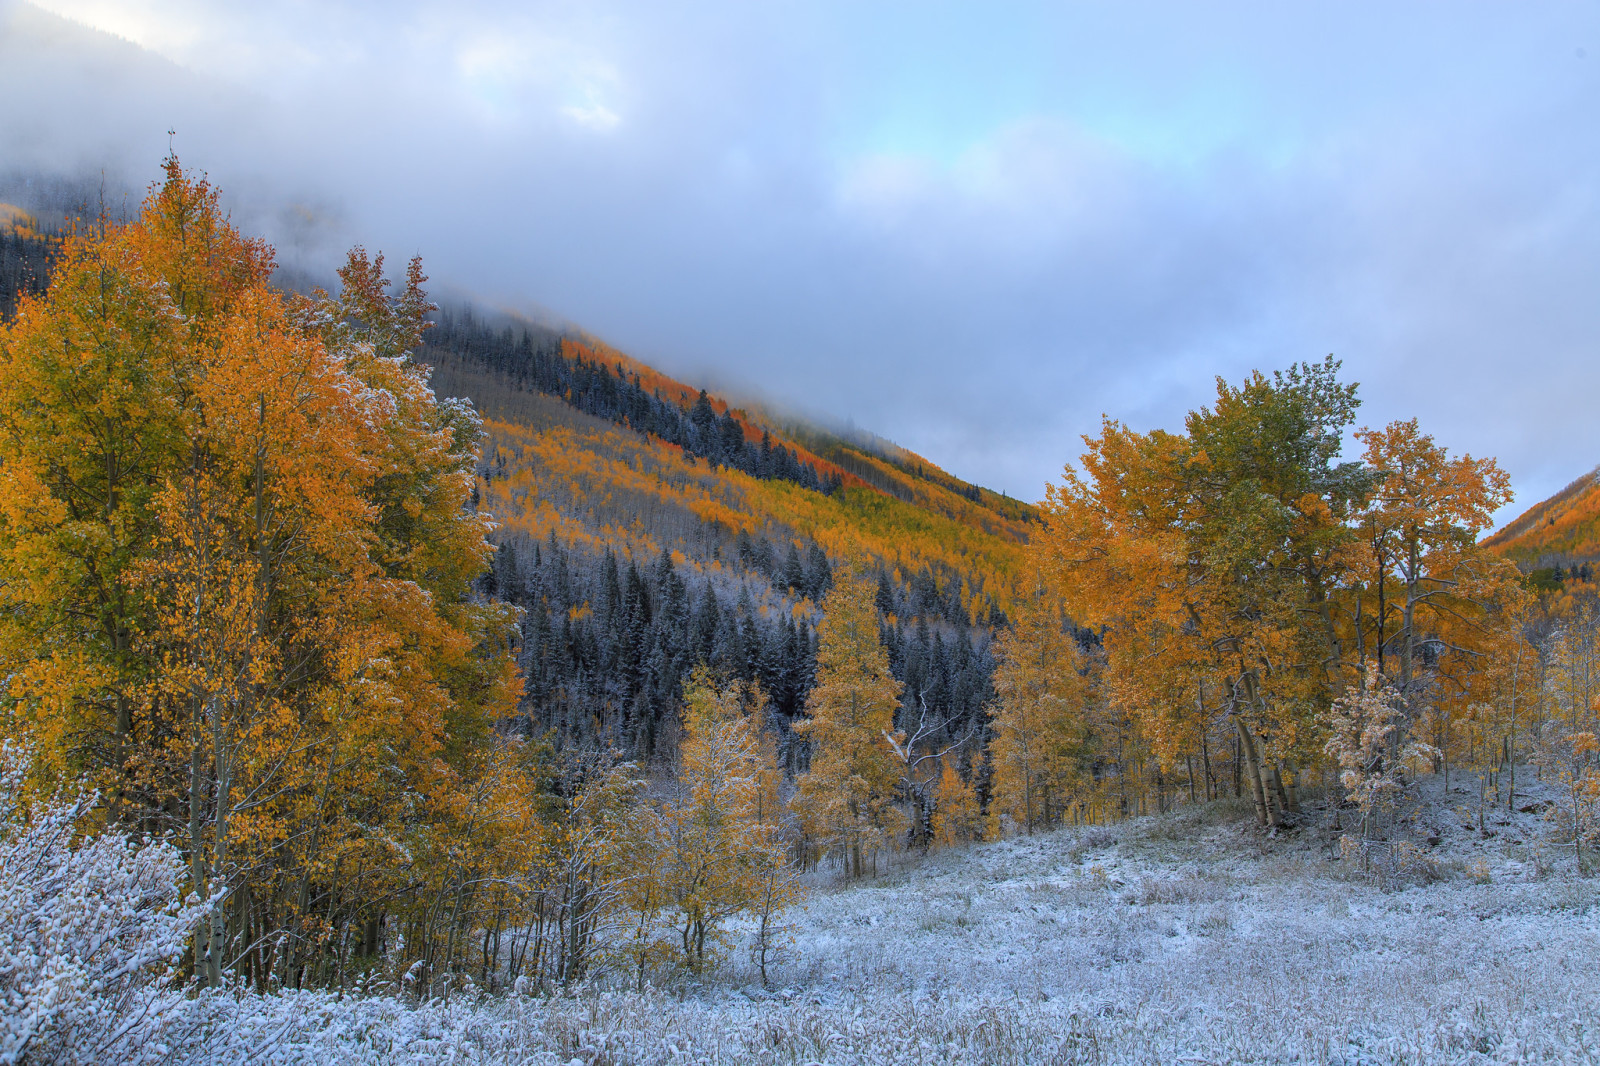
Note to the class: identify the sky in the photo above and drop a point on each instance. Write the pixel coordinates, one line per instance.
(972, 228)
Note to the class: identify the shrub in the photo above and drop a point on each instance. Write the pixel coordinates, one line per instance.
(90, 932)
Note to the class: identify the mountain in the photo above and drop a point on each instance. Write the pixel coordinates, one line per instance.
(1562, 532)
(646, 525)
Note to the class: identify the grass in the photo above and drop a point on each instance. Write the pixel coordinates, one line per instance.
(1189, 937)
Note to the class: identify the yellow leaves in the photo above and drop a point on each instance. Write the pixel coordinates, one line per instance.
(957, 816)
(848, 791)
(235, 560)
(712, 846)
(1040, 718)
(591, 485)
(14, 217)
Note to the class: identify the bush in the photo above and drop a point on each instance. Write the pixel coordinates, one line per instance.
(90, 932)
(1391, 865)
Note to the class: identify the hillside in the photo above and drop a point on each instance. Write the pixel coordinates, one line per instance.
(25, 257)
(1561, 531)
(646, 525)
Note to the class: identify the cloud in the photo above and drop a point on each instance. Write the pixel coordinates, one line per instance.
(970, 233)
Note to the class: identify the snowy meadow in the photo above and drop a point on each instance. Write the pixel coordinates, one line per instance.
(1186, 937)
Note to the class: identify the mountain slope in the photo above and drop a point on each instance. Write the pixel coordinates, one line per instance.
(1563, 530)
(646, 525)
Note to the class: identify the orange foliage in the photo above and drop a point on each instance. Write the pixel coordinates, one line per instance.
(1563, 528)
(596, 486)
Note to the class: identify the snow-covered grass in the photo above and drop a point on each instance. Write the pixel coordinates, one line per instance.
(1189, 937)
(1183, 938)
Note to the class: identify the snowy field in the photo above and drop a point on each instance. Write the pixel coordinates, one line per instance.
(1188, 938)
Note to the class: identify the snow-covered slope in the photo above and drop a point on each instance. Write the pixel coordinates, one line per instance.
(1183, 938)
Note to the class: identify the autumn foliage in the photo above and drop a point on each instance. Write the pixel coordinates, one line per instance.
(1238, 575)
(238, 565)
(257, 582)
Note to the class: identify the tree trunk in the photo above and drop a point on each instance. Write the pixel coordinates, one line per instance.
(1287, 800)
(1238, 765)
(1266, 814)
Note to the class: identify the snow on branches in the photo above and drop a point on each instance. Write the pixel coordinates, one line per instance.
(90, 931)
(1367, 738)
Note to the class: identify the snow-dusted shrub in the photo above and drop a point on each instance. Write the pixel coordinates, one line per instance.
(89, 933)
(1367, 738)
(1391, 864)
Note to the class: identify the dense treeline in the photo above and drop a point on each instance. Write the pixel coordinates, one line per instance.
(25, 261)
(607, 644)
(1263, 601)
(541, 364)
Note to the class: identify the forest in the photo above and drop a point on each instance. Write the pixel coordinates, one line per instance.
(560, 369)
(356, 646)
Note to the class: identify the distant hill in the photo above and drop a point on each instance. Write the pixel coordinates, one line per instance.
(1562, 531)
(646, 525)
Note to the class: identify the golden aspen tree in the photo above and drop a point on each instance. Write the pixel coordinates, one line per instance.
(707, 817)
(848, 793)
(1427, 579)
(95, 379)
(1211, 559)
(236, 559)
(774, 873)
(1440, 613)
(957, 815)
(717, 845)
(1117, 552)
(208, 639)
(1039, 728)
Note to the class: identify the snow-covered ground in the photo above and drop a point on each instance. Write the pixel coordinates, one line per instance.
(1188, 937)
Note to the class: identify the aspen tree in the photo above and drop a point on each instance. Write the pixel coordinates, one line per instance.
(848, 793)
(774, 872)
(235, 579)
(715, 846)
(1039, 729)
(1211, 558)
(957, 817)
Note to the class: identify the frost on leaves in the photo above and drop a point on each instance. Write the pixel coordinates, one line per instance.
(90, 931)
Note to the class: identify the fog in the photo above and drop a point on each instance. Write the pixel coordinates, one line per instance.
(972, 229)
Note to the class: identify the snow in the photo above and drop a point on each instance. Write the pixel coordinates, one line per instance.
(88, 935)
(1188, 937)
